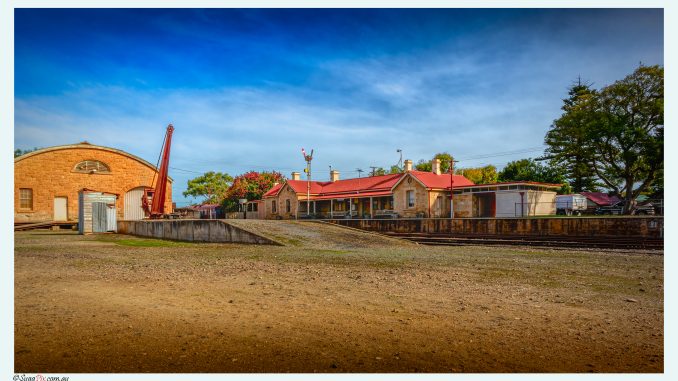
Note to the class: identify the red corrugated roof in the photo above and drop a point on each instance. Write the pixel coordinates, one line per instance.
(442, 181)
(374, 186)
(353, 195)
(363, 184)
(300, 186)
(601, 198)
(513, 183)
(273, 191)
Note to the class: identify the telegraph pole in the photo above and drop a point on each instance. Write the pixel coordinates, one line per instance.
(374, 171)
(308, 159)
(452, 161)
(359, 171)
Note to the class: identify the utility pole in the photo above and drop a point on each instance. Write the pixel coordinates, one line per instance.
(359, 171)
(452, 161)
(308, 159)
(374, 171)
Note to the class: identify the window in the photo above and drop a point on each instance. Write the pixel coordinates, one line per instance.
(410, 198)
(288, 207)
(274, 207)
(26, 198)
(91, 166)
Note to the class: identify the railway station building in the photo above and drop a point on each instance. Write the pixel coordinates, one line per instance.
(47, 181)
(411, 194)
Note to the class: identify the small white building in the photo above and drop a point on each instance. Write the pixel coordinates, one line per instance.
(96, 212)
(512, 199)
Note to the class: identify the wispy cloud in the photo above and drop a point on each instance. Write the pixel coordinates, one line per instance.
(466, 89)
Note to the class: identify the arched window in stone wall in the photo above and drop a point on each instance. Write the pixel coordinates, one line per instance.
(91, 166)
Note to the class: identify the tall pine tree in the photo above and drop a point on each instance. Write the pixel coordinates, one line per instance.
(567, 143)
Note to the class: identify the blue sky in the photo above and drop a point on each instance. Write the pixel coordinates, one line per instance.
(247, 89)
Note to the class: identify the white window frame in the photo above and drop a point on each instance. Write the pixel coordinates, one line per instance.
(413, 198)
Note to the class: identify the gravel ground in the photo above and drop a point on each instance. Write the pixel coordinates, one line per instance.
(318, 235)
(114, 303)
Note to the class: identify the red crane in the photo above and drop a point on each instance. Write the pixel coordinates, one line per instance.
(153, 200)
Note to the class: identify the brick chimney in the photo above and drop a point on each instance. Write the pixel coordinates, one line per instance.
(334, 175)
(408, 165)
(295, 175)
(435, 166)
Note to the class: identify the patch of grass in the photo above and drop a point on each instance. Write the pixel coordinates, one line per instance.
(140, 242)
(148, 243)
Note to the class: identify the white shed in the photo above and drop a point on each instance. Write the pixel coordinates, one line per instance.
(96, 212)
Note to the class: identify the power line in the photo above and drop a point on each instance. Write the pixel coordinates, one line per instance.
(505, 153)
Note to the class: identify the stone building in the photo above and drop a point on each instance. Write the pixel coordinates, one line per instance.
(47, 181)
(411, 194)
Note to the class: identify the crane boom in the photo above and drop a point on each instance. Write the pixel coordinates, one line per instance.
(156, 209)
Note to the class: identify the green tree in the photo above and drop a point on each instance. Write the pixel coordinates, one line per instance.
(18, 152)
(426, 166)
(395, 169)
(212, 186)
(657, 188)
(378, 172)
(567, 139)
(423, 165)
(619, 133)
(531, 170)
(627, 135)
(479, 175)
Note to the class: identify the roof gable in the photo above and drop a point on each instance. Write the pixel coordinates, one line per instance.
(431, 180)
(273, 191)
(88, 146)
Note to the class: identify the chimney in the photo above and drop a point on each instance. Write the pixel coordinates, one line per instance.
(408, 165)
(334, 175)
(295, 175)
(435, 166)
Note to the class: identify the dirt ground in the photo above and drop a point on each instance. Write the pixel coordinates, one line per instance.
(117, 303)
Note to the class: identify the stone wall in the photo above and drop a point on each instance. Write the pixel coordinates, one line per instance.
(463, 205)
(651, 227)
(50, 174)
(192, 231)
(421, 198)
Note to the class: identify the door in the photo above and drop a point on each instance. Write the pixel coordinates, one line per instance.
(99, 217)
(438, 206)
(111, 224)
(132, 205)
(60, 208)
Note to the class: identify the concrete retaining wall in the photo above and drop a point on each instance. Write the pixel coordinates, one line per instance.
(193, 231)
(650, 227)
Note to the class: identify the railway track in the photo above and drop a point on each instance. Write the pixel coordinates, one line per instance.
(44, 225)
(543, 241)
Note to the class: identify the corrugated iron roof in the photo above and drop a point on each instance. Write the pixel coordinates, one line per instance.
(367, 186)
(549, 185)
(600, 198)
(353, 195)
(442, 181)
(273, 191)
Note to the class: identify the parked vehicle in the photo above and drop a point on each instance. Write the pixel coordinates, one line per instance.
(570, 204)
(617, 208)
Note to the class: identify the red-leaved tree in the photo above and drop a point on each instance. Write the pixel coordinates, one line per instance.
(251, 185)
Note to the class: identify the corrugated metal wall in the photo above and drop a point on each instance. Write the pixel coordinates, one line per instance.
(99, 217)
(111, 224)
(132, 206)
